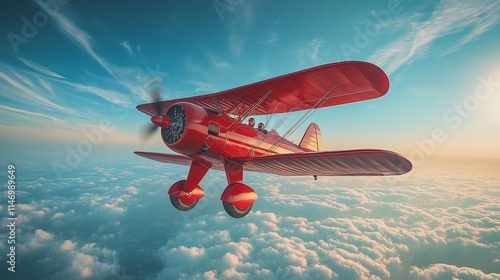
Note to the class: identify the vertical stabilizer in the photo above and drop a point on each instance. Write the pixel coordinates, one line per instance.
(312, 139)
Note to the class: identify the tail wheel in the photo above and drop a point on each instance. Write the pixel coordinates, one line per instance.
(234, 211)
(179, 205)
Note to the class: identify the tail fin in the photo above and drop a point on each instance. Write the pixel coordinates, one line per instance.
(312, 139)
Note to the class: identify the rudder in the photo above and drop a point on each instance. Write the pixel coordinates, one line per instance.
(312, 139)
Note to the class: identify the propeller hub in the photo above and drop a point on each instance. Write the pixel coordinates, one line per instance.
(161, 120)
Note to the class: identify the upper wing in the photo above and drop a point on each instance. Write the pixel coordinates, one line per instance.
(331, 163)
(353, 81)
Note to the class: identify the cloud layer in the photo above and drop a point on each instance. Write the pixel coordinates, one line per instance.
(411, 227)
(110, 219)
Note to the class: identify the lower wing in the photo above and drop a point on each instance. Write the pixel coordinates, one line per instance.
(329, 163)
(182, 160)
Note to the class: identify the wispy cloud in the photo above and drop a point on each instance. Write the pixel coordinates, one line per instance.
(24, 91)
(273, 39)
(216, 62)
(129, 77)
(79, 36)
(449, 17)
(202, 87)
(127, 46)
(108, 95)
(32, 100)
(309, 52)
(4, 109)
(239, 23)
(40, 69)
(133, 51)
(206, 75)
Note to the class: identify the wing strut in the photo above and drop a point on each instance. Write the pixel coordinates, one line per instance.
(251, 109)
(236, 109)
(275, 127)
(302, 119)
(268, 117)
(218, 106)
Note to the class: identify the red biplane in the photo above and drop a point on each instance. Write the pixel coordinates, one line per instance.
(208, 132)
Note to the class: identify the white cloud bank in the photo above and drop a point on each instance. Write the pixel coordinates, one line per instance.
(422, 227)
(417, 226)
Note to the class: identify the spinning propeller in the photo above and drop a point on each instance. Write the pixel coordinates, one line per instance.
(157, 120)
(173, 122)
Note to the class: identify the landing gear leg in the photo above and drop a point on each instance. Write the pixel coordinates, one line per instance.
(184, 194)
(237, 198)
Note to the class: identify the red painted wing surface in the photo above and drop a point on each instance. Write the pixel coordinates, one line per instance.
(182, 160)
(353, 81)
(330, 163)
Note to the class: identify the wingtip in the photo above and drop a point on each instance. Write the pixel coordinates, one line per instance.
(139, 153)
(404, 166)
(409, 167)
(139, 107)
(373, 73)
(377, 77)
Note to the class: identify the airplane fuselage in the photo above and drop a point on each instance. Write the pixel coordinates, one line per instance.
(220, 136)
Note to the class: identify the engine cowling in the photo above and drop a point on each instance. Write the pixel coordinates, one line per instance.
(187, 129)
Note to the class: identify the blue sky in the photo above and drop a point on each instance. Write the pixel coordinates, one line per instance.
(72, 72)
(69, 70)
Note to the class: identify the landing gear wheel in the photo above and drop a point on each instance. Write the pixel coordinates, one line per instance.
(184, 201)
(234, 211)
(177, 203)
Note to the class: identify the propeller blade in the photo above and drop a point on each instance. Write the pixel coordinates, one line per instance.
(156, 97)
(148, 130)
